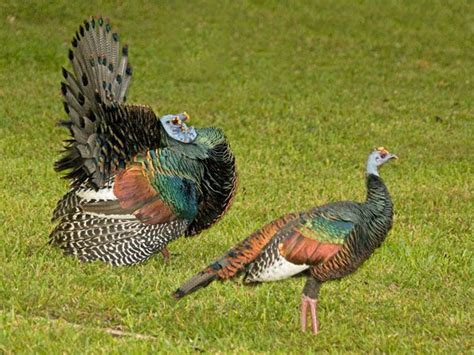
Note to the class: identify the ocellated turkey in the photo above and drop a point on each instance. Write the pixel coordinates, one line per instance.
(325, 243)
(137, 181)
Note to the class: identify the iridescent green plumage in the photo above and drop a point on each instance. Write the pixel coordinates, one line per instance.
(326, 230)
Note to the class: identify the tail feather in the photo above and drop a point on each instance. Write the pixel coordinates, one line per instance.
(93, 94)
(209, 274)
(203, 279)
(236, 260)
(95, 59)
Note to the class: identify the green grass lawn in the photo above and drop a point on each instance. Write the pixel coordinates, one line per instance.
(303, 91)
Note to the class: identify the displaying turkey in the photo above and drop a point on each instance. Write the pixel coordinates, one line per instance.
(326, 242)
(137, 182)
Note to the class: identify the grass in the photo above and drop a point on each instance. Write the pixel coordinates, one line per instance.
(303, 92)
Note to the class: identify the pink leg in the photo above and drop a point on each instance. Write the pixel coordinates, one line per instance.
(304, 310)
(305, 302)
(166, 254)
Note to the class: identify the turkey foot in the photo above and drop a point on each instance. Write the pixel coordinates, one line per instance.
(305, 302)
(166, 254)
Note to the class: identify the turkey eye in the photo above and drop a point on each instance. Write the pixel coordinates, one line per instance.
(383, 155)
(175, 121)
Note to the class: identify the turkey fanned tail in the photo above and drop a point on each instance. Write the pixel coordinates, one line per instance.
(105, 132)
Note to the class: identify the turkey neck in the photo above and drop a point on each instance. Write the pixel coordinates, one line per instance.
(378, 210)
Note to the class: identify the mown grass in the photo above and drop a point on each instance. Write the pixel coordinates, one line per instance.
(303, 92)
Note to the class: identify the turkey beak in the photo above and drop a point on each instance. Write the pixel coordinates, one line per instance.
(393, 156)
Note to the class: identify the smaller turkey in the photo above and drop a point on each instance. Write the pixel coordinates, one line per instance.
(325, 243)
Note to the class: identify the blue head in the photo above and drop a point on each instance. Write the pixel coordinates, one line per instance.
(377, 158)
(177, 129)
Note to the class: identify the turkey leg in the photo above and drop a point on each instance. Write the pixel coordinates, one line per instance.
(310, 298)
